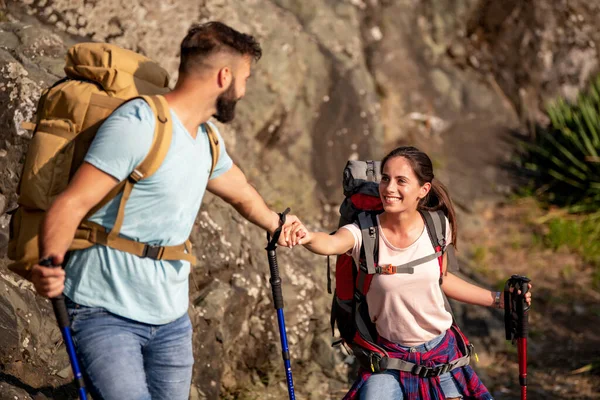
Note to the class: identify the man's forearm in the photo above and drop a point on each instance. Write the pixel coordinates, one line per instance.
(59, 227)
(252, 207)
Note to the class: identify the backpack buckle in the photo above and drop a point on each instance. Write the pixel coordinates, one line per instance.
(372, 231)
(421, 371)
(430, 372)
(440, 369)
(388, 269)
(151, 251)
(374, 361)
(135, 176)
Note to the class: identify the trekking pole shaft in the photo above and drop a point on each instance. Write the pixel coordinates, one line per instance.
(522, 353)
(522, 333)
(60, 311)
(285, 353)
(64, 324)
(278, 303)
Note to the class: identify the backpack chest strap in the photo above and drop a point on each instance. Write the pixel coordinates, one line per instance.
(408, 268)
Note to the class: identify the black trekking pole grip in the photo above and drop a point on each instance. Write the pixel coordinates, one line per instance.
(58, 302)
(275, 280)
(523, 310)
(516, 309)
(516, 319)
(60, 311)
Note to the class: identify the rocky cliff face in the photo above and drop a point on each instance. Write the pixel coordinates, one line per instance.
(338, 80)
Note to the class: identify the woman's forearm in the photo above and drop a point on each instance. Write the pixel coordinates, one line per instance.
(459, 289)
(329, 245)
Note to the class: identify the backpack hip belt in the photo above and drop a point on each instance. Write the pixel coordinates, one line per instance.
(379, 363)
(98, 234)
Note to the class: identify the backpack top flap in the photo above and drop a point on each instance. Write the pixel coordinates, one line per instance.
(120, 72)
(363, 177)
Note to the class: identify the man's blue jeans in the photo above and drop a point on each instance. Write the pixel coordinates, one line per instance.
(125, 359)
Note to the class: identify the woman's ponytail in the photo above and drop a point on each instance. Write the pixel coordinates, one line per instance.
(438, 198)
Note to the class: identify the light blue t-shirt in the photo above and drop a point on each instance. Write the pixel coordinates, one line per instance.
(161, 210)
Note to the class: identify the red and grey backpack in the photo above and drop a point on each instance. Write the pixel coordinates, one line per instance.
(349, 308)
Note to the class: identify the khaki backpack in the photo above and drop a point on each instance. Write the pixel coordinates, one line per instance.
(100, 78)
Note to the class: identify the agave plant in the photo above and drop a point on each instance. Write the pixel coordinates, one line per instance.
(566, 156)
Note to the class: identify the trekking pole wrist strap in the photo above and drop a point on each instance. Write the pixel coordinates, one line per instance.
(497, 297)
(272, 240)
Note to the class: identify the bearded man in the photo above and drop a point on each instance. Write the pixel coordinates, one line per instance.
(129, 313)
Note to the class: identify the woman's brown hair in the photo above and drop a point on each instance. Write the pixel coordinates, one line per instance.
(438, 197)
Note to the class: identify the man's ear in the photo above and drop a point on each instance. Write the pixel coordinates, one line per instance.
(224, 77)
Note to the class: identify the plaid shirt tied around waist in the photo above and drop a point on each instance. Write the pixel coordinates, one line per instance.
(417, 388)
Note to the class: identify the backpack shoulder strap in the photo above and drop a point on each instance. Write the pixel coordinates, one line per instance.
(163, 133)
(161, 143)
(158, 150)
(213, 140)
(370, 235)
(436, 227)
(435, 222)
(369, 252)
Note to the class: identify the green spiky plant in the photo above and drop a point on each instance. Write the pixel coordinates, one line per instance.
(566, 157)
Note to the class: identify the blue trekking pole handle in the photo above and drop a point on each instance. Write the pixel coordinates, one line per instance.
(62, 317)
(275, 281)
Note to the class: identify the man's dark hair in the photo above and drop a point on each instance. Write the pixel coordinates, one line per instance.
(213, 37)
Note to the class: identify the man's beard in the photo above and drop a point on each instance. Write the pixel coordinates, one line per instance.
(226, 103)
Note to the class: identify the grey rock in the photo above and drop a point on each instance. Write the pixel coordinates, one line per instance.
(4, 238)
(10, 392)
(3, 204)
(65, 372)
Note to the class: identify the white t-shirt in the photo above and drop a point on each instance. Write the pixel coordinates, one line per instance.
(406, 308)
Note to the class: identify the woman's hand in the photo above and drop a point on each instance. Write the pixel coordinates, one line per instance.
(296, 233)
(527, 296)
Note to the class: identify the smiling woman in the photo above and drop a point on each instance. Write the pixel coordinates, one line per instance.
(406, 305)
